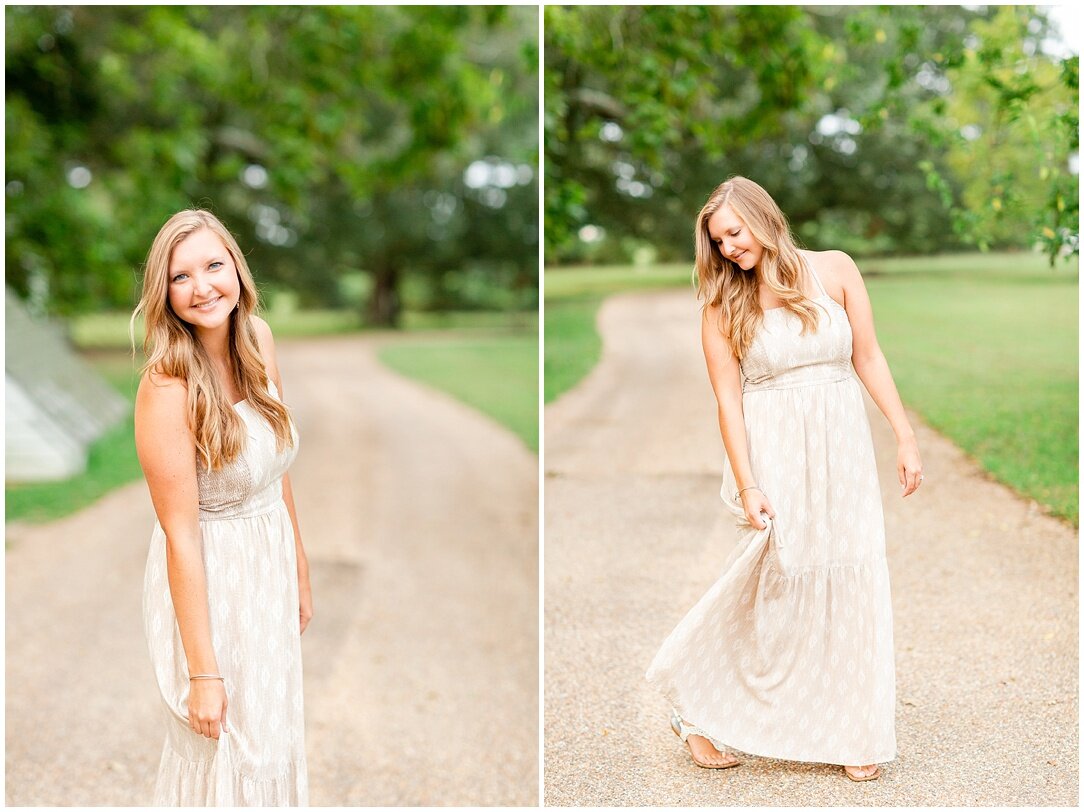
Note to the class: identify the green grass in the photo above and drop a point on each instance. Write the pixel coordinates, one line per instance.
(499, 348)
(495, 373)
(989, 358)
(602, 280)
(102, 331)
(573, 346)
(983, 346)
(573, 296)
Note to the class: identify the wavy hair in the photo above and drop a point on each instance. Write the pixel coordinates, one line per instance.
(722, 283)
(172, 348)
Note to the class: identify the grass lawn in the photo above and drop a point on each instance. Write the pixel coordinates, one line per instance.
(573, 296)
(495, 373)
(984, 347)
(101, 331)
(990, 359)
(496, 362)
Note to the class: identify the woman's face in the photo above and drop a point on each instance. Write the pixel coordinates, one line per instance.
(732, 238)
(203, 284)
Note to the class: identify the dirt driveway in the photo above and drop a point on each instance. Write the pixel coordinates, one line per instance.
(984, 595)
(421, 664)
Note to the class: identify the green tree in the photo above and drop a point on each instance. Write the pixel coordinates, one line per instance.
(843, 112)
(1009, 127)
(633, 92)
(294, 123)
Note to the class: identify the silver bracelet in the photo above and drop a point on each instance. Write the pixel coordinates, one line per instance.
(737, 495)
(207, 676)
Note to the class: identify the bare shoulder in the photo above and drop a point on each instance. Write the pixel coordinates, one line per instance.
(161, 410)
(266, 342)
(837, 272)
(838, 265)
(156, 389)
(164, 441)
(712, 315)
(263, 333)
(712, 330)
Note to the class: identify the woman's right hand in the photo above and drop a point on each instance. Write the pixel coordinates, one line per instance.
(755, 502)
(207, 707)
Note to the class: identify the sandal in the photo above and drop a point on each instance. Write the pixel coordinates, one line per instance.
(683, 731)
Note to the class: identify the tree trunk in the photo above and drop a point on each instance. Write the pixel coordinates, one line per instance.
(384, 305)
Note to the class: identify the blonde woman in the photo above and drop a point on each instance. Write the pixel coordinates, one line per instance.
(226, 594)
(789, 655)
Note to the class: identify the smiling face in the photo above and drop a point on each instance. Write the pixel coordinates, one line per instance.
(202, 283)
(733, 239)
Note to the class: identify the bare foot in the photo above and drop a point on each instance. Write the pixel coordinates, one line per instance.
(704, 753)
(860, 773)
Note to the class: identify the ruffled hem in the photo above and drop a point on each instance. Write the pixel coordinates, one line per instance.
(216, 782)
(731, 741)
(791, 666)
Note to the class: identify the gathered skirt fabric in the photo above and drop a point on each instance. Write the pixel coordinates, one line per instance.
(252, 590)
(789, 654)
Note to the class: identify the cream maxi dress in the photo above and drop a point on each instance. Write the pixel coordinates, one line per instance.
(789, 654)
(251, 565)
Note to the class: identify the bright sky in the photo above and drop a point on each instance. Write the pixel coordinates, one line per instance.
(1070, 21)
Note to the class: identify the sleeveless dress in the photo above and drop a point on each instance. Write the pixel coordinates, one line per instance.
(789, 655)
(252, 591)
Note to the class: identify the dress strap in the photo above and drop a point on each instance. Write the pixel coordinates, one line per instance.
(816, 278)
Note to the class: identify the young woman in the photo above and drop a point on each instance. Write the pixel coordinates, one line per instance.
(789, 655)
(226, 593)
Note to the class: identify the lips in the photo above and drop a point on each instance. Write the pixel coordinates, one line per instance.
(208, 304)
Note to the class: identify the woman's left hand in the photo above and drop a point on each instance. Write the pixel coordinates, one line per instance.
(909, 466)
(304, 592)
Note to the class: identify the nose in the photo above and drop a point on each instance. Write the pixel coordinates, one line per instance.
(201, 284)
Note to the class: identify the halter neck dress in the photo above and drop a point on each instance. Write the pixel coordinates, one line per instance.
(789, 654)
(252, 594)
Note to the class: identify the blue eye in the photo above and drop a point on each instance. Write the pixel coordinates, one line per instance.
(178, 277)
(213, 264)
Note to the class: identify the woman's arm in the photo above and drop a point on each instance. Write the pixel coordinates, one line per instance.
(267, 350)
(872, 368)
(167, 453)
(725, 375)
(304, 589)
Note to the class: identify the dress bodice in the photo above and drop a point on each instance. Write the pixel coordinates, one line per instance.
(781, 358)
(252, 483)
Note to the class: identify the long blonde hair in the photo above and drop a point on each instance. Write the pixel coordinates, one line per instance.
(722, 283)
(172, 348)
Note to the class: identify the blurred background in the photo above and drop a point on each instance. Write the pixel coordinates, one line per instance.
(938, 145)
(378, 166)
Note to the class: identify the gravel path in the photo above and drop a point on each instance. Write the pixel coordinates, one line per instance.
(984, 595)
(420, 521)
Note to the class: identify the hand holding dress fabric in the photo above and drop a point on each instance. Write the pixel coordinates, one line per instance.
(755, 502)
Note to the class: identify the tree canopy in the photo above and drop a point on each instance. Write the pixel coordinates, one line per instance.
(398, 143)
(894, 128)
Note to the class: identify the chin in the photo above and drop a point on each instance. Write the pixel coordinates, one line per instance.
(209, 321)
